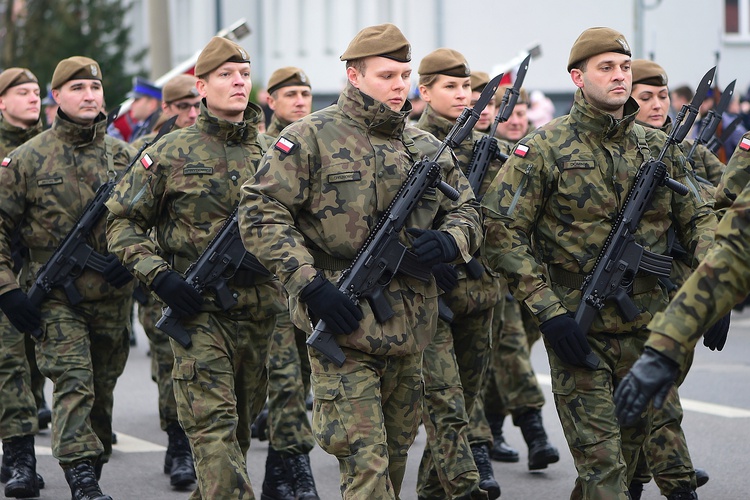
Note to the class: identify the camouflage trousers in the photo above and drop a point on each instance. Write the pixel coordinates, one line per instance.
(288, 385)
(605, 455)
(17, 406)
(83, 352)
(453, 366)
(220, 387)
(366, 414)
(162, 360)
(511, 386)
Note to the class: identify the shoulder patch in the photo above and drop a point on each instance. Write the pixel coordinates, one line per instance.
(521, 150)
(744, 145)
(6, 161)
(285, 145)
(146, 161)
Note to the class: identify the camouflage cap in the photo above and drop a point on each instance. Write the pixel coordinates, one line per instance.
(286, 77)
(15, 76)
(384, 40)
(595, 41)
(479, 80)
(75, 68)
(179, 87)
(444, 62)
(218, 51)
(648, 72)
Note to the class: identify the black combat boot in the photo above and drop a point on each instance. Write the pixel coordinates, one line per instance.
(181, 467)
(298, 468)
(541, 453)
(276, 483)
(23, 481)
(5, 468)
(43, 415)
(635, 489)
(487, 480)
(259, 428)
(701, 477)
(81, 478)
(683, 495)
(500, 450)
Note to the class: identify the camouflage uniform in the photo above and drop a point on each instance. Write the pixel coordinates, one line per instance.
(566, 180)
(276, 126)
(84, 347)
(348, 161)
(455, 361)
(185, 186)
(18, 407)
(736, 175)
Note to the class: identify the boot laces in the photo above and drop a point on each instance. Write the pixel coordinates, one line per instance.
(299, 466)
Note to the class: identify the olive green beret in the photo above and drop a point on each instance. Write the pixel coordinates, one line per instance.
(15, 76)
(648, 72)
(595, 41)
(444, 62)
(384, 40)
(479, 80)
(218, 51)
(179, 87)
(286, 77)
(75, 68)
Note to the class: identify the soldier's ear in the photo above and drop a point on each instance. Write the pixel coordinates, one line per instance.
(353, 76)
(577, 76)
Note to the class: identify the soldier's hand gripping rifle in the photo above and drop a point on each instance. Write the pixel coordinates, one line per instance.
(382, 253)
(221, 259)
(74, 254)
(622, 257)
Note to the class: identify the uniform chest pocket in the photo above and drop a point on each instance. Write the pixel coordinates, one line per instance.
(346, 184)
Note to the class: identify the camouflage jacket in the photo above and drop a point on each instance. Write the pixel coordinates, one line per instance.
(470, 295)
(45, 185)
(276, 126)
(321, 189)
(11, 136)
(556, 198)
(736, 175)
(185, 187)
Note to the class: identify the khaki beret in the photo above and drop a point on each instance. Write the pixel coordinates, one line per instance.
(75, 68)
(479, 80)
(648, 72)
(179, 87)
(384, 40)
(218, 51)
(15, 76)
(444, 62)
(595, 41)
(286, 77)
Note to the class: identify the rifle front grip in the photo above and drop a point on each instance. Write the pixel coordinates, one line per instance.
(448, 190)
(170, 324)
(675, 186)
(325, 343)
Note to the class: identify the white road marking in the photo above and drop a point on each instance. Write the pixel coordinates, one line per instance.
(125, 444)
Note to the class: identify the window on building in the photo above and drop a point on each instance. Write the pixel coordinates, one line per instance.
(737, 20)
(731, 17)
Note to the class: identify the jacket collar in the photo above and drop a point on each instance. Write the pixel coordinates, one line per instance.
(371, 114)
(593, 119)
(77, 134)
(245, 131)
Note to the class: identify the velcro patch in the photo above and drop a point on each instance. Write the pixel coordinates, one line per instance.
(49, 182)
(197, 170)
(6, 161)
(344, 177)
(577, 164)
(744, 144)
(521, 150)
(146, 161)
(285, 145)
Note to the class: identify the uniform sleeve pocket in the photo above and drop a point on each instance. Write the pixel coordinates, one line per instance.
(183, 369)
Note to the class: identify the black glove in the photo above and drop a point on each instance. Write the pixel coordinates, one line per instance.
(115, 273)
(20, 311)
(433, 247)
(651, 376)
(446, 276)
(716, 336)
(329, 304)
(569, 342)
(174, 291)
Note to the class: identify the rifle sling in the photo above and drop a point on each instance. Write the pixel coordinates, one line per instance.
(563, 277)
(410, 265)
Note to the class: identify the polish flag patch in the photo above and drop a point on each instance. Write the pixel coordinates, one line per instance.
(146, 161)
(521, 150)
(6, 161)
(285, 145)
(744, 145)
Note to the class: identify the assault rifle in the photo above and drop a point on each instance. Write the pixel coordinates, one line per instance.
(74, 254)
(221, 259)
(712, 120)
(622, 257)
(382, 253)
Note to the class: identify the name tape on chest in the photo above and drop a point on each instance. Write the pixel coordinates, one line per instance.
(146, 161)
(521, 150)
(6, 161)
(285, 145)
(745, 144)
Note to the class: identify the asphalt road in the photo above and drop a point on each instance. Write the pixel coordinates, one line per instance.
(715, 397)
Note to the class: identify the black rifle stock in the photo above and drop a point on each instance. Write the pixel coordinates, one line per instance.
(74, 254)
(220, 260)
(621, 256)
